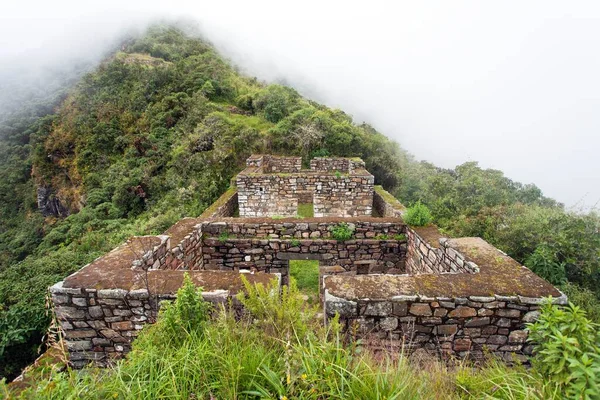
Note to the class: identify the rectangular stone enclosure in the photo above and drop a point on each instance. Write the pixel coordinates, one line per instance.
(275, 186)
(406, 286)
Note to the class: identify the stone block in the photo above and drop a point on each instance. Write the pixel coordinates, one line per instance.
(477, 322)
(380, 308)
(388, 323)
(420, 309)
(446, 330)
(64, 312)
(462, 312)
(519, 336)
(462, 344)
(508, 313)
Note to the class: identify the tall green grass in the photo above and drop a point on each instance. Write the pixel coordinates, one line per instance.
(280, 350)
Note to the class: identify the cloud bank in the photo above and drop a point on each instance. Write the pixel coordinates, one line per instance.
(513, 85)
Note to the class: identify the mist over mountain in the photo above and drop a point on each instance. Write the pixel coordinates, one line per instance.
(451, 82)
(113, 125)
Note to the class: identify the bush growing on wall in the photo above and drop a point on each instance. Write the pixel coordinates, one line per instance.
(417, 215)
(342, 231)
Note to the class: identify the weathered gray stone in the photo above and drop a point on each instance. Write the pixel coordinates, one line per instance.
(531, 316)
(380, 308)
(112, 293)
(96, 312)
(477, 321)
(388, 323)
(79, 301)
(64, 312)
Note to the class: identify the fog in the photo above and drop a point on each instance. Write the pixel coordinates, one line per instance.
(514, 85)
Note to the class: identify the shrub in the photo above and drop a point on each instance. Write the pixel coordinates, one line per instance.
(189, 313)
(417, 215)
(342, 231)
(567, 350)
(543, 261)
(282, 315)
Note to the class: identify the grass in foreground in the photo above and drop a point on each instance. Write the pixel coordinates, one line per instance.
(282, 352)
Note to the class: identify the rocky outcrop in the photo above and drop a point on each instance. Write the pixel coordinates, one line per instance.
(49, 204)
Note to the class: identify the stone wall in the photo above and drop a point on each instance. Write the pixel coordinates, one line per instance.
(428, 254)
(449, 326)
(102, 307)
(187, 254)
(268, 195)
(344, 165)
(265, 195)
(344, 196)
(385, 205)
(273, 255)
(460, 313)
(225, 206)
(275, 164)
(314, 228)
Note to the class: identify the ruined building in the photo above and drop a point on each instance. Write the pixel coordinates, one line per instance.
(407, 286)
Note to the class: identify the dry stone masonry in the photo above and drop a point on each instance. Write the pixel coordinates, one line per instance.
(395, 286)
(276, 186)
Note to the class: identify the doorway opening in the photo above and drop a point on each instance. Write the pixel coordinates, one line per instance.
(306, 275)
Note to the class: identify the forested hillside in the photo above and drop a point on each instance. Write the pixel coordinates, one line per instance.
(156, 132)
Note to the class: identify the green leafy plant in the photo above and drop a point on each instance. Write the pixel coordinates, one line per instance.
(401, 237)
(295, 242)
(544, 262)
(342, 231)
(223, 237)
(417, 215)
(567, 350)
(382, 237)
(188, 313)
(338, 174)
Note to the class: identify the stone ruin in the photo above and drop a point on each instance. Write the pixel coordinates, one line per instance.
(393, 285)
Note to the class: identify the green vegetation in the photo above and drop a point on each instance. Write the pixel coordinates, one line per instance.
(400, 237)
(568, 351)
(156, 133)
(516, 218)
(306, 274)
(282, 351)
(342, 231)
(295, 242)
(417, 215)
(224, 236)
(306, 210)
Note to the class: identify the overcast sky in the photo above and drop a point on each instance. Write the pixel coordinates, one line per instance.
(514, 85)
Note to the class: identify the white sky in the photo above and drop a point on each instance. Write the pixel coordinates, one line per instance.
(514, 85)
